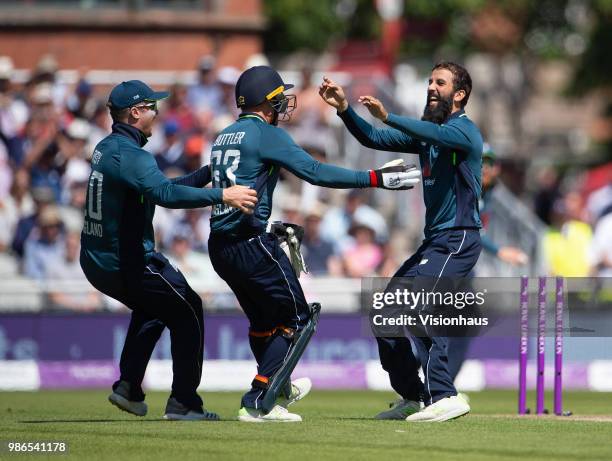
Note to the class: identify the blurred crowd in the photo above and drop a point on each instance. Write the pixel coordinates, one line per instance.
(577, 210)
(48, 131)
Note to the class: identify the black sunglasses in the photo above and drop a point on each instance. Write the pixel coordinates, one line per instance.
(149, 106)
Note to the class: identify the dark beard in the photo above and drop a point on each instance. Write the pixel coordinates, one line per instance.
(439, 113)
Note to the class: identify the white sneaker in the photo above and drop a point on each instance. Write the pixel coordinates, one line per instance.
(277, 414)
(464, 396)
(443, 410)
(300, 388)
(400, 409)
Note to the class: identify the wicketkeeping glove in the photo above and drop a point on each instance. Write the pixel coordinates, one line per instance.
(395, 175)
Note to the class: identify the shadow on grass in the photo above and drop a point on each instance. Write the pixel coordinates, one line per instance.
(139, 421)
(51, 421)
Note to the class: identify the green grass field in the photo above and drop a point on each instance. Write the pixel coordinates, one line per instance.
(337, 425)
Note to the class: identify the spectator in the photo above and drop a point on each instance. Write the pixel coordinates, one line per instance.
(308, 194)
(42, 197)
(290, 209)
(257, 59)
(228, 76)
(14, 113)
(72, 211)
(192, 263)
(205, 96)
(72, 158)
(567, 243)
(166, 220)
(172, 149)
(65, 267)
(14, 207)
(6, 172)
(100, 127)
(337, 221)
(546, 195)
(318, 254)
(198, 268)
(601, 248)
(44, 244)
(599, 202)
(362, 258)
(194, 225)
(46, 73)
(193, 152)
(177, 109)
(491, 169)
(82, 103)
(310, 123)
(394, 252)
(600, 254)
(40, 146)
(211, 133)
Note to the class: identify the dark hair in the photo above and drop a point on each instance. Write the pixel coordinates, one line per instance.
(118, 115)
(461, 78)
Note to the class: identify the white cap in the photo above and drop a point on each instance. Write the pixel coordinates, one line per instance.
(42, 94)
(6, 67)
(228, 75)
(47, 64)
(257, 59)
(221, 122)
(316, 210)
(78, 129)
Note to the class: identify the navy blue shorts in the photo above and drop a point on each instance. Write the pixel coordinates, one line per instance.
(452, 253)
(159, 296)
(262, 278)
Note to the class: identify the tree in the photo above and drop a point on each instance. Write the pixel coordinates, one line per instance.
(315, 25)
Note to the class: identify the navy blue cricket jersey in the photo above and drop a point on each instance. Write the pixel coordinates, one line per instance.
(125, 184)
(451, 160)
(250, 152)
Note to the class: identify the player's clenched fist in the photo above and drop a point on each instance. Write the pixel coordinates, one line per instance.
(240, 197)
(395, 175)
(333, 94)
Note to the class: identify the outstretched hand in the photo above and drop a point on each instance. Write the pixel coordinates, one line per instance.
(375, 107)
(395, 175)
(333, 94)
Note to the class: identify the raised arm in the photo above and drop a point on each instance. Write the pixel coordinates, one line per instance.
(278, 148)
(453, 135)
(365, 133)
(376, 138)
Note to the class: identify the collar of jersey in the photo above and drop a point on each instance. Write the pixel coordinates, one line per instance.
(246, 115)
(130, 132)
(457, 114)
